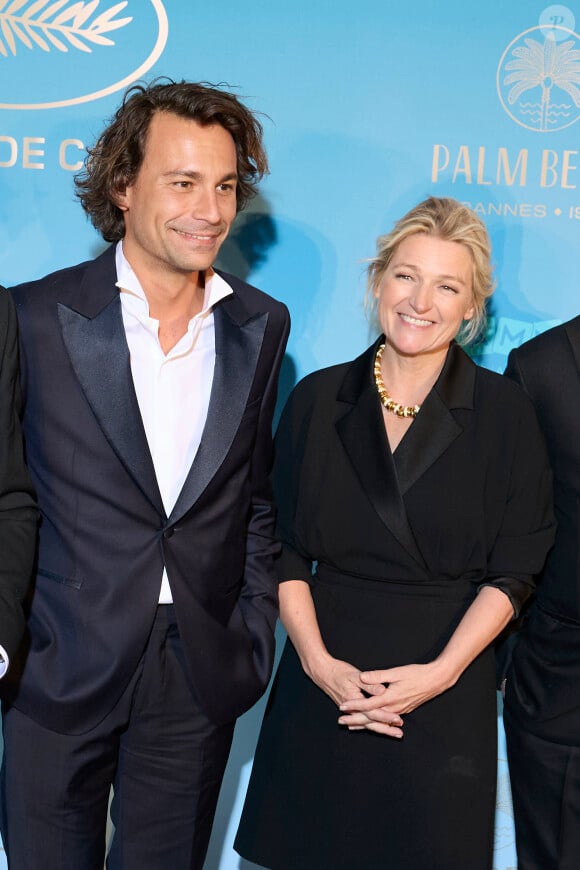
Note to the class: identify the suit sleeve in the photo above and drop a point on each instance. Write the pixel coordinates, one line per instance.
(258, 600)
(18, 515)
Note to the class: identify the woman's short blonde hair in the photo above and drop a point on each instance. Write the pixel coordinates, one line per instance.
(446, 219)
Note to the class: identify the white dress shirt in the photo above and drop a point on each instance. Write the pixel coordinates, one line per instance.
(172, 389)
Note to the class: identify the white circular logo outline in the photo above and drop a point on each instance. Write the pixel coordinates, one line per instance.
(507, 110)
(163, 32)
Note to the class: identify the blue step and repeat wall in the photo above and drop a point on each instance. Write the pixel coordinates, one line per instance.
(367, 108)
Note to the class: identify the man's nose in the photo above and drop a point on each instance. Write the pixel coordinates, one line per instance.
(207, 206)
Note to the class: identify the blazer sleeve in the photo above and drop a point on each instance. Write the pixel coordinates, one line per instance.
(18, 514)
(527, 529)
(291, 476)
(513, 370)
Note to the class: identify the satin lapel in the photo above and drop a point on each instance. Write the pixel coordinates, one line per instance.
(429, 436)
(435, 428)
(362, 433)
(238, 347)
(99, 355)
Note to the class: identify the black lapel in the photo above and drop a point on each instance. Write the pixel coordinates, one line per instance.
(435, 428)
(362, 432)
(238, 341)
(94, 338)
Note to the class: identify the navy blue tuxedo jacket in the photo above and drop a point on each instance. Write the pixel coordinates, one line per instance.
(543, 687)
(104, 534)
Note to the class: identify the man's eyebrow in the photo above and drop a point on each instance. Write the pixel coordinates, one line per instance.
(188, 173)
(197, 176)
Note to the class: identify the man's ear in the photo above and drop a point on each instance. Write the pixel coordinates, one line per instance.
(120, 199)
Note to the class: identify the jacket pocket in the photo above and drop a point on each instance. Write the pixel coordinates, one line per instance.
(60, 578)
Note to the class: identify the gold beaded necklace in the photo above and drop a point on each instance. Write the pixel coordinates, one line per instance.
(390, 404)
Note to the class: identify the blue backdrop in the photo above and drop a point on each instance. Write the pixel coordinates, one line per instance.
(367, 108)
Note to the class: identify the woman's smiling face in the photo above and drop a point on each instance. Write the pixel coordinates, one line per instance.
(425, 294)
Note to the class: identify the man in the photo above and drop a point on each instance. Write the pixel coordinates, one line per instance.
(150, 384)
(542, 702)
(17, 506)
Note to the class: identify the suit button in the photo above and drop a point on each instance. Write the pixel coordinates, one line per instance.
(168, 533)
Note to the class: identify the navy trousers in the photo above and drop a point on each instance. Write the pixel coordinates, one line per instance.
(164, 759)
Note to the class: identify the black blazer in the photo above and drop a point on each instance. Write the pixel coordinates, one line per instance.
(466, 497)
(18, 515)
(104, 535)
(543, 689)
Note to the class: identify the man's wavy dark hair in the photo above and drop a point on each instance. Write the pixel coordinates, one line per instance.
(115, 160)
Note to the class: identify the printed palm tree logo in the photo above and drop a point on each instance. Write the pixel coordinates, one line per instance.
(548, 68)
(59, 24)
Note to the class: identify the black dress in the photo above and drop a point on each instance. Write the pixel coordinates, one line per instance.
(400, 545)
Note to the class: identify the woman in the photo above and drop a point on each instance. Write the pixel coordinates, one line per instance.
(425, 518)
